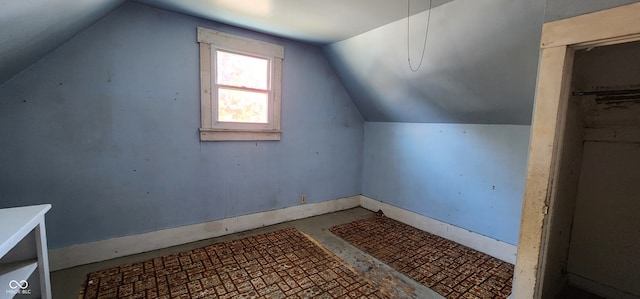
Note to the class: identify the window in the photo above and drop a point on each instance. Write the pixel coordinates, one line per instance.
(240, 87)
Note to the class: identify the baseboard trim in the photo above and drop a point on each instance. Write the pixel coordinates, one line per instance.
(103, 250)
(498, 249)
(598, 288)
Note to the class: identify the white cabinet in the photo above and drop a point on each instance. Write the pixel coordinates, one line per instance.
(23, 251)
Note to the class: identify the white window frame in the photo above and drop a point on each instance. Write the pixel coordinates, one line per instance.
(210, 128)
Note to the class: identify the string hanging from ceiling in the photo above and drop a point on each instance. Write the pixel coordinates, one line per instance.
(426, 35)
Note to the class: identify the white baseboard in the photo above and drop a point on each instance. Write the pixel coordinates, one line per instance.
(98, 251)
(92, 252)
(598, 288)
(492, 247)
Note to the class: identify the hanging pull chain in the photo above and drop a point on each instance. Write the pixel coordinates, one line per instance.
(426, 35)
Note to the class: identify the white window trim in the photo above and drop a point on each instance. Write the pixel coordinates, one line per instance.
(211, 40)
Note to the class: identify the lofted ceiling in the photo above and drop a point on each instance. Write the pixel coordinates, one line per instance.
(479, 65)
(30, 29)
(480, 59)
(313, 21)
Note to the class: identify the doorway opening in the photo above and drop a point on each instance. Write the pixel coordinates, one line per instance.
(593, 229)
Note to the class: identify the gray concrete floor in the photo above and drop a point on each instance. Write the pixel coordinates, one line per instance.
(66, 283)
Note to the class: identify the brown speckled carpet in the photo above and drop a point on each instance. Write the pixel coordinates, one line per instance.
(451, 269)
(280, 264)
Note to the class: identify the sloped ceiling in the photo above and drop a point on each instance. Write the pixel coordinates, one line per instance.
(29, 29)
(312, 21)
(480, 65)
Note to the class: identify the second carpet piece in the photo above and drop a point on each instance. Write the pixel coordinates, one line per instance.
(451, 269)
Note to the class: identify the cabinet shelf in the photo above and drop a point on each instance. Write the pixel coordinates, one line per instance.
(23, 253)
(18, 272)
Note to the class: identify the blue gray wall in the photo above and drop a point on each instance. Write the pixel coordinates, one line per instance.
(106, 129)
(470, 176)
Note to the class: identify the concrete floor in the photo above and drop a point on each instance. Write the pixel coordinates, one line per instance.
(66, 283)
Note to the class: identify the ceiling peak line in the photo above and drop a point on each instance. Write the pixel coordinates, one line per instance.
(426, 35)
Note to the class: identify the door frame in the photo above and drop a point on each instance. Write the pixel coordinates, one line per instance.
(558, 43)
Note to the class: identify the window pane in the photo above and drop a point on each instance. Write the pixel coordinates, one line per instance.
(242, 71)
(242, 106)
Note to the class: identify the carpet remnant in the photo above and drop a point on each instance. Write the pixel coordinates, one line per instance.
(280, 264)
(446, 267)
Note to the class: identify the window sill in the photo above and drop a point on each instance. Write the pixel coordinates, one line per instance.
(236, 135)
